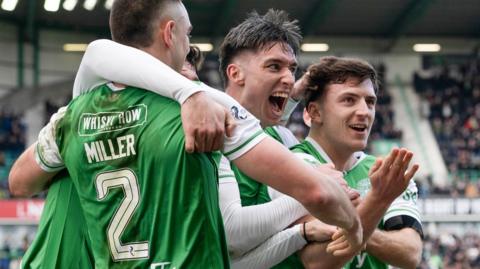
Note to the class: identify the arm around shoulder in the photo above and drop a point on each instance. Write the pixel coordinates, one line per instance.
(321, 195)
(26, 177)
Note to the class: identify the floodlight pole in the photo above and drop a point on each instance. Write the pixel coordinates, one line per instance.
(33, 36)
(20, 55)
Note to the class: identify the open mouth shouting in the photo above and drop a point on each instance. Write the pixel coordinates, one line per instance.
(278, 101)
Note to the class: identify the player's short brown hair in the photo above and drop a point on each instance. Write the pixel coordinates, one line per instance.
(132, 22)
(195, 57)
(332, 69)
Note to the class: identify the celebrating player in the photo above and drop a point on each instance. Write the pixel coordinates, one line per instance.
(341, 107)
(88, 131)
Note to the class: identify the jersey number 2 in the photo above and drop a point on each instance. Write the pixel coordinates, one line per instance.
(127, 180)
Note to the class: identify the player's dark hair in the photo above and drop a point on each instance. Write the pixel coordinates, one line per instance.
(132, 22)
(195, 57)
(259, 32)
(332, 69)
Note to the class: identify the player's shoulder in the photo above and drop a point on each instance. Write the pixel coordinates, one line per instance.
(285, 136)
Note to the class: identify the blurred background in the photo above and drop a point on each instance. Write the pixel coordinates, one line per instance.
(426, 51)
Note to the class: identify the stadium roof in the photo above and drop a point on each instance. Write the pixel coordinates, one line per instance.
(385, 19)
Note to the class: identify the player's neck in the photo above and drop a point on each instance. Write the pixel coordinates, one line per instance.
(342, 158)
(234, 92)
(160, 53)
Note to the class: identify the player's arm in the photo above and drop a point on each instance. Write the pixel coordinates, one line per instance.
(284, 243)
(105, 60)
(26, 177)
(400, 243)
(34, 169)
(322, 196)
(318, 193)
(399, 248)
(204, 122)
(319, 256)
(272, 251)
(248, 226)
(296, 95)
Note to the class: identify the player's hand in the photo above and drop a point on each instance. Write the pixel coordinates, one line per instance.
(329, 170)
(318, 231)
(389, 177)
(205, 122)
(300, 87)
(347, 242)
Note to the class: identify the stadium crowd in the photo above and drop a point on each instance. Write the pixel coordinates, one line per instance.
(12, 142)
(451, 101)
(13, 248)
(450, 251)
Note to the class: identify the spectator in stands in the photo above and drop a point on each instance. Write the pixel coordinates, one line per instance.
(452, 94)
(450, 251)
(5, 255)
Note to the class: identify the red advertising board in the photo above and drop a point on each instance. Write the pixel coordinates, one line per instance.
(21, 210)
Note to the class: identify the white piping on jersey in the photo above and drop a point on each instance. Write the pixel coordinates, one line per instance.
(359, 155)
(115, 88)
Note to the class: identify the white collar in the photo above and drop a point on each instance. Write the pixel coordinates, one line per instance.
(359, 155)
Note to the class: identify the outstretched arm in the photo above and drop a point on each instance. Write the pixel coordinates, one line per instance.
(321, 195)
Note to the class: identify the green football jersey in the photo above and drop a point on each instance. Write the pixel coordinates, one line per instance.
(61, 238)
(253, 192)
(357, 178)
(147, 203)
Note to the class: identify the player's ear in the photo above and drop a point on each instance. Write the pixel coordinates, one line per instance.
(235, 74)
(315, 112)
(167, 33)
(306, 118)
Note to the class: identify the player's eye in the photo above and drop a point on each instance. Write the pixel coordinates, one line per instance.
(371, 102)
(293, 69)
(349, 100)
(274, 67)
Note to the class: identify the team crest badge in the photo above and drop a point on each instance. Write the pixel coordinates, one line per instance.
(239, 114)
